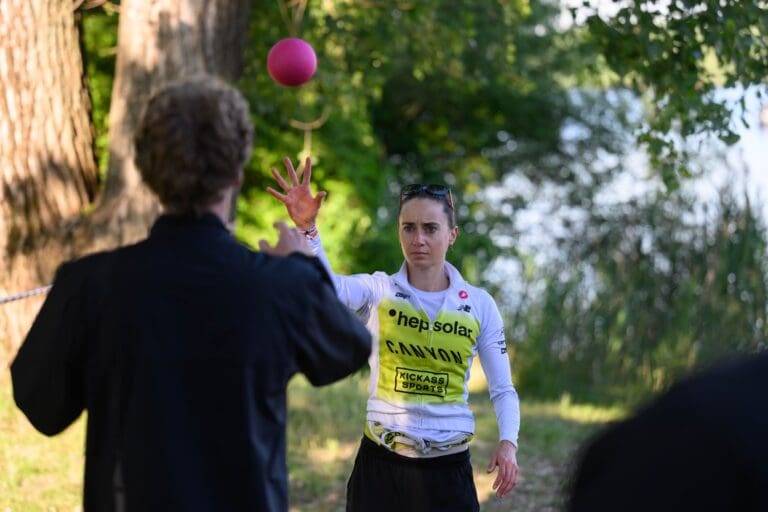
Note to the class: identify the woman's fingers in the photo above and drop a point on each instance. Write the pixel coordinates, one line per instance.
(319, 197)
(307, 177)
(291, 171)
(280, 197)
(500, 477)
(504, 486)
(280, 181)
(508, 481)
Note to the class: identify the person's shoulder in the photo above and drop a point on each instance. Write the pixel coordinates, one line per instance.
(305, 266)
(737, 367)
(479, 296)
(87, 263)
(109, 256)
(294, 267)
(730, 379)
(721, 393)
(479, 292)
(80, 273)
(467, 290)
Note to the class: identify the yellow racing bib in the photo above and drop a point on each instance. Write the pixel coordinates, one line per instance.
(421, 361)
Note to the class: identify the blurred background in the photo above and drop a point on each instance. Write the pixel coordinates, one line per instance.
(607, 158)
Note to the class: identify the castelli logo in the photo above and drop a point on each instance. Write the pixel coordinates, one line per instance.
(463, 294)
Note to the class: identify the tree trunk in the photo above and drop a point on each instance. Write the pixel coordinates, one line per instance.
(49, 172)
(157, 41)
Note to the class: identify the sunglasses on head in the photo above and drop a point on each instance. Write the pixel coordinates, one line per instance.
(420, 189)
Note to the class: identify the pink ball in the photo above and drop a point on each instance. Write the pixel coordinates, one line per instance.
(291, 62)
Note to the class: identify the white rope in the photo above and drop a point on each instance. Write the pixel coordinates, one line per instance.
(24, 295)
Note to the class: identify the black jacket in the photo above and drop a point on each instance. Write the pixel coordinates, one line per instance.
(180, 348)
(702, 446)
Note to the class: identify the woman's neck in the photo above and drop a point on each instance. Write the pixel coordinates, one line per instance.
(432, 279)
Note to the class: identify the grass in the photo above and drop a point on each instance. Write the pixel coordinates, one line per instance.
(37, 473)
(325, 425)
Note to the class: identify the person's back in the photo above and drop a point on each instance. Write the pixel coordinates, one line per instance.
(701, 446)
(181, 347)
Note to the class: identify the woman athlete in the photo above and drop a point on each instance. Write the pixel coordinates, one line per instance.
(428, 324)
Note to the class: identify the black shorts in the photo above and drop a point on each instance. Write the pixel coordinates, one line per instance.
(385, 481)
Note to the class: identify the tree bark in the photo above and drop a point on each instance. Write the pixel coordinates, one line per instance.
(51, 183)
(49, 173)
(158, 42)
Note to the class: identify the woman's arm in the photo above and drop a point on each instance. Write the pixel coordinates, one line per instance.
(492, 350)
(355, 291)
(302, 207)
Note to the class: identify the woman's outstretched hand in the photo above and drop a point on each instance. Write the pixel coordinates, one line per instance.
(297, 197)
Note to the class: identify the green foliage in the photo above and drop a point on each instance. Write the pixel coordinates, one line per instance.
(37, 473)
(462, 93)
(482, 92)
(494, 100)
(647, 294)
(98, 29)
(346, 159)
(679, 53)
